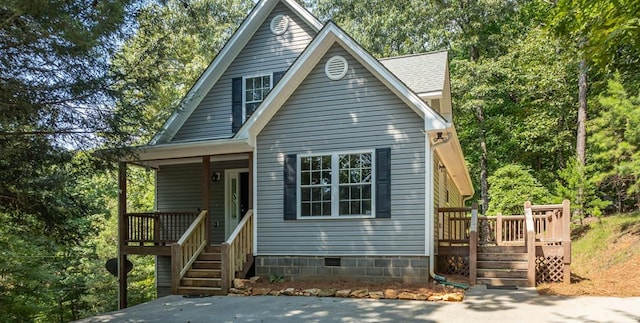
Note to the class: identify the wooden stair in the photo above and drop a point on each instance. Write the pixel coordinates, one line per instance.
(204, 276)
(502, 266)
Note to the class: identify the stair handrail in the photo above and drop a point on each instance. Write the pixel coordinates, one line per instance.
(473, 245)
(187, 249)
(530, 241)
(235, 250)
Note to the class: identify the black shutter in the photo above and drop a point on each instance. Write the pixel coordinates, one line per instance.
(236, 103)
(383, 183)
(276, 77)
(290, 189)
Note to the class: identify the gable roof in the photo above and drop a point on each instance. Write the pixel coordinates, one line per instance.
(222, 61)
(309, 58)
(423, 73)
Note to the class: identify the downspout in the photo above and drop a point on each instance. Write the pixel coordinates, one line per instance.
(430, 197)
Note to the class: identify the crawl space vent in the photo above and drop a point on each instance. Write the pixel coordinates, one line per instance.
(332, 262)
(336, 68)
(279, 24)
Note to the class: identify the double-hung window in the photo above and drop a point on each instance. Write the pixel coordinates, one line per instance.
(256, 89)
(336, 185)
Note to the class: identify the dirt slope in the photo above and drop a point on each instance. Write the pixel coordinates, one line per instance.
(605, 259)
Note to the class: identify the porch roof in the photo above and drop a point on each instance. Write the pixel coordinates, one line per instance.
(150, 155)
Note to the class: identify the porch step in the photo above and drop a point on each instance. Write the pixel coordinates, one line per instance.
(201, 282)
(213, 249)
(502, 265)
(206, 264)
(203, 273)
(502, 257)
(501, 273)
(200, 291)
(502, 249)
(209, 256)
(519, 282)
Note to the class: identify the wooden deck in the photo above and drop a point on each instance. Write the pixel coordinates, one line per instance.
(541, 236)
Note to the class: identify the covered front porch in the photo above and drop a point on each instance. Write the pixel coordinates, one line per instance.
(201, 227)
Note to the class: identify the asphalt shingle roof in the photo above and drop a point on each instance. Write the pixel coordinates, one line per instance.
(420, 72)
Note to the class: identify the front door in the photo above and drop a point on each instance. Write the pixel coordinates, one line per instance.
(236, 200)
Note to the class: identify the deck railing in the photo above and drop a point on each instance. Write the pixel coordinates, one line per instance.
(156, 228)
(543, 230)
(187, 249)
(237, 251)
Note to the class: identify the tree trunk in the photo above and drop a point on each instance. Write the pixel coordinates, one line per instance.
(582, 113)
(581, 136)
(484, 183)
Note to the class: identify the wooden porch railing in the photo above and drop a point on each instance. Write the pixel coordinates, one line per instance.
(543, 229)
(156, 228)
(237, 251)
(187, 249)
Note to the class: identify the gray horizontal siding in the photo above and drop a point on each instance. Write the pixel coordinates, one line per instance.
(355, 113)
(163, 275)
(217, 197)
(264, 53)
(179, 188)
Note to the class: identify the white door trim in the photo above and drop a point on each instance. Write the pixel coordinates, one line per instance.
(229, 174)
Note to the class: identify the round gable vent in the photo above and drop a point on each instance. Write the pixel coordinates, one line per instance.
(279, 24)
(336, 68)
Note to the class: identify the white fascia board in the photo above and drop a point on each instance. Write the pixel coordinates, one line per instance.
(308, 60)
(303, 13)
(452, 157)
(433, 121)
(222, 61)
(285, 87)
(430, 95)
(193, 149)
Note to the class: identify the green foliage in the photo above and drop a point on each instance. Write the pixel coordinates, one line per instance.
(605, 26)
(511, 186)
(175, 42)
(276, 279)
(571, 180)
(615, 146)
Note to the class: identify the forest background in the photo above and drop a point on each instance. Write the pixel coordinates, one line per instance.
(546, 99)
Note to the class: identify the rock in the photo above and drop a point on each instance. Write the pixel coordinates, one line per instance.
(234, 295)
(452, 297)
(343, 293)
(359, 293)
(421, 297)
(274, 293)
(255, 279)
(288, 291)
(434, 298)
(236, 290)
(407, 295)
(327, 293)
(256, 291)
(311, 292)
(390, 294)
(376, 295)
(240, 283)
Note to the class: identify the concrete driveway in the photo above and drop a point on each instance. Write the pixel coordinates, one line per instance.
(480, 305)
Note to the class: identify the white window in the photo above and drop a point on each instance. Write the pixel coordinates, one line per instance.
(256, 89)
(336, 185)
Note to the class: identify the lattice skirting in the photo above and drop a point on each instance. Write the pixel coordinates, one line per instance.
(454, 265)
(549, 269)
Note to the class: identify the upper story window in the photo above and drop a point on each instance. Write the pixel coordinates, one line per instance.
(337, 184)
(256, 89)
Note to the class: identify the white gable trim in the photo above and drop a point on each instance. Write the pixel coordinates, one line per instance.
(329, 35)
(222, 61)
